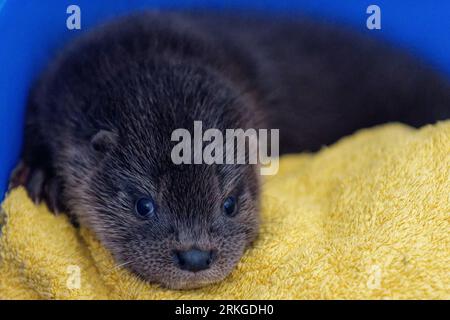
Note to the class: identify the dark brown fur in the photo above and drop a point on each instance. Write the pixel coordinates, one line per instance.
(100, 120)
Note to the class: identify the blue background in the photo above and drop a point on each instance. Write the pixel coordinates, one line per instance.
(32, 30)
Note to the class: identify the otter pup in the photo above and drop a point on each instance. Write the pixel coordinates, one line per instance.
(99, 123)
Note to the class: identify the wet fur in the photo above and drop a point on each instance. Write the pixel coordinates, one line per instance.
(138, 79)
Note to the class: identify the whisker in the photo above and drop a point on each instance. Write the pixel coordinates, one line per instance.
(121, 265)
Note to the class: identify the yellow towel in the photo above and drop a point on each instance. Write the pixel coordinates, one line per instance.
(365, 218)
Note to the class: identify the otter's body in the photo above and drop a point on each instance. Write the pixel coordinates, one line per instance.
(99, 125)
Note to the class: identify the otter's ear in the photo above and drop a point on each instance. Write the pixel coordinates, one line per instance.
(103, 141)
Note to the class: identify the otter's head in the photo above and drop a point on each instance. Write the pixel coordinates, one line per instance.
(180, 225)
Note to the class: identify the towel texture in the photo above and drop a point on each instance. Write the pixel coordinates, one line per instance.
(368, 217)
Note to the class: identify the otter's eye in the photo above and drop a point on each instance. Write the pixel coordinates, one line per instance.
(145, 207)
(229, 206)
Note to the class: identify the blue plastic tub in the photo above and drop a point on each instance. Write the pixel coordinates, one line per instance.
(31, 31)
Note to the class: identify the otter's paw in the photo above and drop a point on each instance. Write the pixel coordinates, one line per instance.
(19, 176)
(39, 185)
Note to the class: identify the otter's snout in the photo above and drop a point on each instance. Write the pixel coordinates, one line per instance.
(194, 259)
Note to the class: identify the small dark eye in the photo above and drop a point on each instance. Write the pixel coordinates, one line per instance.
(229, 206)
(145, 207)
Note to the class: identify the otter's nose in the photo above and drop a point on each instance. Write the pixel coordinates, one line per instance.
(194, 259)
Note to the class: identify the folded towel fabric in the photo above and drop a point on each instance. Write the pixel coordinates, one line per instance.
(368, 217)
